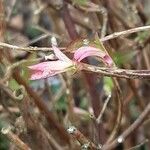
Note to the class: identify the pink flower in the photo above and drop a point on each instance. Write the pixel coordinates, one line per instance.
(50, 68)
(86, 51)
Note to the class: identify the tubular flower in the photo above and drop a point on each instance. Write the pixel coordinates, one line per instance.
(86, 51)
(51, 68)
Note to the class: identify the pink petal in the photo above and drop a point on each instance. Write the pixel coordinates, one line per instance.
(108, 60)
(39, 75)
(60, 55)
(87, 51)
(47, 69)
(50, 65)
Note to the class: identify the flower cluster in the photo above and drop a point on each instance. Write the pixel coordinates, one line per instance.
(63, 63)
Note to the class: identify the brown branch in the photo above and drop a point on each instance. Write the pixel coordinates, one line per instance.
(11, 94)
(85, 143)
(10, 69)
(68, 22)
(46, 49)
(15, 139)
(43, 107)
(70, 98)
(122, 33)
(119, 100)
(98, 119)
(116, 72)
(139, 145)
(138, 122)
(35, 129)
(27, 49)
(91, 80)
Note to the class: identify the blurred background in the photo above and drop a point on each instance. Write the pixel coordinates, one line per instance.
(38, 113)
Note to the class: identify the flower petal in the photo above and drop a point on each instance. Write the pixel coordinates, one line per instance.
(60, 55)
(38, 74)
(47, 69)
(86, 51)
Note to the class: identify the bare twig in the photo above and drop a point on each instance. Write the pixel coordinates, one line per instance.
(70, 98)
(47, 31)
(139, 145)
(138, 122)
(11, 109)
(119, 105)
(51, 140)
(46, 49)
(15, 139)
(27, 49)
(122, 33)
(120, 73)
(103, 109)
(81, 138)
(11, 68)
(11, 94)
(105, 20)
(43, 107)
(39, 38)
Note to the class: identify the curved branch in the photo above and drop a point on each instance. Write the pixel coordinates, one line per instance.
(138, 122)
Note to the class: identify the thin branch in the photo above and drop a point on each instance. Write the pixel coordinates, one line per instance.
(105, 20)
(27, 49)
(51, 139)
(11, 109)
(122, 33)
(116, 72)
(138, 122)
(139, 145)
(98, 120)
(11, 94)
(42, 107)
(10, 69)
(15, 139)
(46, 49)
(85, 143)
(119, 105)
(70, 98)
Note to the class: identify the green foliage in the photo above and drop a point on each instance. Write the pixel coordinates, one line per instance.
(142, 36)
(80, 2)
(123, 57)
(33, 32)
(61, 104)
(108, 85)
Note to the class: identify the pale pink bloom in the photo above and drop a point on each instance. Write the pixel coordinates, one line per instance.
(86, 51)
(51, 68)
(60, 55)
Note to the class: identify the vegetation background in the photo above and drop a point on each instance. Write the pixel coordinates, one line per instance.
(82, 110)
